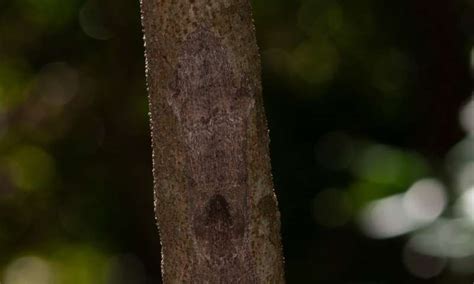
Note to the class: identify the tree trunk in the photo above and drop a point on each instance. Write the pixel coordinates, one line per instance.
(214, 202)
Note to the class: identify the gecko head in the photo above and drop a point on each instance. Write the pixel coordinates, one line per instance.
(216, 223)
(217, 213)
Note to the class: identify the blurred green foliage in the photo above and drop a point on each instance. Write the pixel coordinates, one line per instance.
(373, 173)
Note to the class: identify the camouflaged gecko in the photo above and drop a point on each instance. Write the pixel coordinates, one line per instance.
(214, 200)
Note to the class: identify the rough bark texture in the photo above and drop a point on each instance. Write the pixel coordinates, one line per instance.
(214, 200)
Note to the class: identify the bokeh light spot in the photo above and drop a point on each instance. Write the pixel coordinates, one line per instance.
(29, 270)
(92, 21)
(466, 116)
(421, 265)
(384, 164)
(402, 213)
(460, 155)
(379, 163)
(56, 84)
(465, 177)
(385, 218)
(80, 264)
(31, 168)
(451, 238)
(315, 62)
(425, 200)
(465, 204)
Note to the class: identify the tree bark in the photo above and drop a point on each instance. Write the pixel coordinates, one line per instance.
(216, 210)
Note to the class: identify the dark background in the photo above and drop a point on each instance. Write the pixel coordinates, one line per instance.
(369, 109)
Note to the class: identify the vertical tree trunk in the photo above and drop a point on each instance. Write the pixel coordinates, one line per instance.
(214, 200)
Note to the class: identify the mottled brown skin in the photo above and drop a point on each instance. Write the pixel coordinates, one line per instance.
(214, 200)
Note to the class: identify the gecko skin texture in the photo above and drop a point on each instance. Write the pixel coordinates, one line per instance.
(215, 206)
(212, 109)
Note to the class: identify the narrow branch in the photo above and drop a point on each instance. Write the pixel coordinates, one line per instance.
(217, 213)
